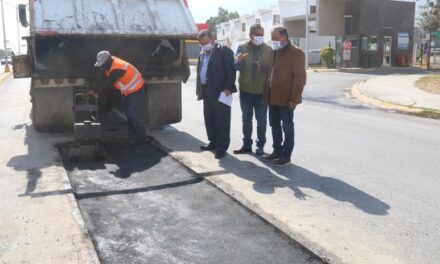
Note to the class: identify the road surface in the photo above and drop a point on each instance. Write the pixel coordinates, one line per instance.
(363, 187)
(142, 206)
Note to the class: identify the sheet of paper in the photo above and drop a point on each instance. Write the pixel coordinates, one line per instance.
(227, 100)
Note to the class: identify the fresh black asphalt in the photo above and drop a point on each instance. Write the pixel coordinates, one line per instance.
(142, 206)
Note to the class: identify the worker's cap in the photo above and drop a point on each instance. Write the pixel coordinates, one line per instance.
(101, 58)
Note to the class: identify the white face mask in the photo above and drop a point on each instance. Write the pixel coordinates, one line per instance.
(207, 48)
(258, 40)
(276, 45)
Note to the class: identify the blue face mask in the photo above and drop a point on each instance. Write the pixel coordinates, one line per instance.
(276, 45)
(207, 48)
(258, 40)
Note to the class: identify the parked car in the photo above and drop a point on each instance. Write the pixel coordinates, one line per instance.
(6, 60)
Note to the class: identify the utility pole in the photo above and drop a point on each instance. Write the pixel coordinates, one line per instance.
(4, 28)
(18, 31)
(428, 63)
(307, 34)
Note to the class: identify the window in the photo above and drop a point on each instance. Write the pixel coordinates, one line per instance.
(372, 43)
(364, 43)
(258, 21)
(354, 43)
(295, 41)
(276, 19)
(243, 27)
(312, 9)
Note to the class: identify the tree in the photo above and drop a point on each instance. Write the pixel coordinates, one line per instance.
(430, 22)
(328, 56)
(3, 54)
(223, 16)
(430, 17)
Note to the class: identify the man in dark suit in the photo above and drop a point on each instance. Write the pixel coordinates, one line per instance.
(215, 75)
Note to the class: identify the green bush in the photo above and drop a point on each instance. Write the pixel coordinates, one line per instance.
(328, 56)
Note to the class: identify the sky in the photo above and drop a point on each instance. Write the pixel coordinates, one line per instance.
(203, 9)
(11, 26)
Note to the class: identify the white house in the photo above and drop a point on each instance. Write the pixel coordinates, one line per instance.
(236, 32)
(270, 18)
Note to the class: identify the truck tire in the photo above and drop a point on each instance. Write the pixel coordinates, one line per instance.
(52, 109)
(163, 104)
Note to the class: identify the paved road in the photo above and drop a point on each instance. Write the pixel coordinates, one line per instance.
(142, 206)
(364, 184)
(364, 187)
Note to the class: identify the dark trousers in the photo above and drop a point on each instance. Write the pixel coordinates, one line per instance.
(281, 120)
(250, 103)
(132, 106)
(217, 122)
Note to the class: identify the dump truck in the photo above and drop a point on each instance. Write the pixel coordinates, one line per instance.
(66, 35)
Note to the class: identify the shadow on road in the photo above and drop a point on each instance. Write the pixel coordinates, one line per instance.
(127, 159)
(123, 172)
(33, 162)
(267, 179)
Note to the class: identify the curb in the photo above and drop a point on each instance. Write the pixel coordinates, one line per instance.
(322, 70)
(370, 70)
(410, 110)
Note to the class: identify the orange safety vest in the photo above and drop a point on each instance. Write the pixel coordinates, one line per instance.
(132, 80)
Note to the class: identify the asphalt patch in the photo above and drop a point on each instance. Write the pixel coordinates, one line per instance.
(142, 206)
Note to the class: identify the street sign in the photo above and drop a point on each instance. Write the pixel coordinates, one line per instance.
(347, 45)
(436, 34)
(346, 56)
(403, 40)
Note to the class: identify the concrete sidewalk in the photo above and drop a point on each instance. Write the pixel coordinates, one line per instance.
(39, 218)
(399, 90)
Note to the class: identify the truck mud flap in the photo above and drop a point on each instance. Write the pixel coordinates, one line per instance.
(52, 109)
(21, 66)
(163, 104)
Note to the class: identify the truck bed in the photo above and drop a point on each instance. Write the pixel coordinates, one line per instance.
(74, 56)
(155, 18)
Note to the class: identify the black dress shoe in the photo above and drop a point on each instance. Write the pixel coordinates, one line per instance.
(243, 150)
(208, 147)
(259, 152)
(281, 162)
(220, 154)
(272, 157)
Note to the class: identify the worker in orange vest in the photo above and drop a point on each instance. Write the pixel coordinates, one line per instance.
(129, 82)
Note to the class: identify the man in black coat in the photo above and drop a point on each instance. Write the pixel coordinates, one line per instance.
(215, 75)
